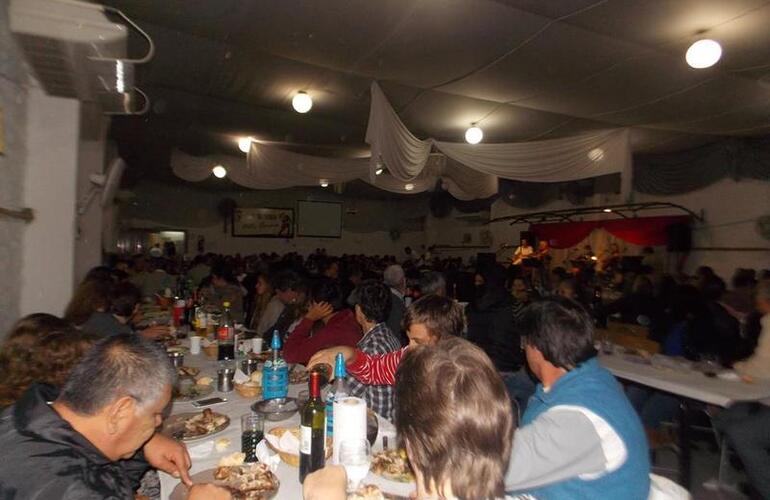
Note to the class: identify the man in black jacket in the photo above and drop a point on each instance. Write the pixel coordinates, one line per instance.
(97, 437)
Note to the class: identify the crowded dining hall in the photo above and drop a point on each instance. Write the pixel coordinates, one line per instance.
(356, 250)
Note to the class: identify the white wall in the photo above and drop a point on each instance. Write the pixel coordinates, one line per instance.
(49, 241)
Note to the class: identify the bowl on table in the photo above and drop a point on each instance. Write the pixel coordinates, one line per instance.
(276, 410)
(248, 390)
(211, 350)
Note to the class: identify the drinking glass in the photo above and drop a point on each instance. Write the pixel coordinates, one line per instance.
(252, 432)
(356, 456)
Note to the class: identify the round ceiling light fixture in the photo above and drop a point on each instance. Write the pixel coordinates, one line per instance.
(244, 143)
(608, 210)
(474, 134)
(596, 154)
(379, 171)
(302, 102)
(219, 171)
(409, 187)
(324, 183)
(703, 54)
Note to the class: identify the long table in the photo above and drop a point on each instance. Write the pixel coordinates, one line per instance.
(290, 488)
(689, 385)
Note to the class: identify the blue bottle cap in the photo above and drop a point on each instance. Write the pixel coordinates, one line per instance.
(276, 343)
(339, 366)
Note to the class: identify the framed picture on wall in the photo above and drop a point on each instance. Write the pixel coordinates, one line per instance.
(263, 223)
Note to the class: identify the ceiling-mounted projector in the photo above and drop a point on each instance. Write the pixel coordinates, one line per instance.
(76, 51)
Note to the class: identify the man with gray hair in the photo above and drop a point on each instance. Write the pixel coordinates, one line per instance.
(395, 279)
(433, 283)
(97, 437)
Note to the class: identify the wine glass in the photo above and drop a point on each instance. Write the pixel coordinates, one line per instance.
(356, 456)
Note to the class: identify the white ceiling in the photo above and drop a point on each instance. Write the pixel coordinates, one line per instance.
(524, 69)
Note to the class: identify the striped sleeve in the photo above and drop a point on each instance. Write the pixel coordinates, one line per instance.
(376, 370)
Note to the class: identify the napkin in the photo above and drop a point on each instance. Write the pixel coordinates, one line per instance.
(287, 443)
(240, 377)
(201, 450)
(266, 456)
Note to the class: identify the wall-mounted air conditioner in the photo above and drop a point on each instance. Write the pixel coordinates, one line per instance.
(77, 51)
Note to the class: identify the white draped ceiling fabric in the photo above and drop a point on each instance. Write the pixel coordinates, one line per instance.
(467, 171)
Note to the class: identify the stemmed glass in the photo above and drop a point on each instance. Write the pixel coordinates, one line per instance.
(356, 456)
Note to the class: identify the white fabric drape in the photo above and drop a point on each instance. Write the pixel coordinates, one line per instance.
(412, 165)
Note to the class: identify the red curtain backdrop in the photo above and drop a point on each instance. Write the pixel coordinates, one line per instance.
(648, 231)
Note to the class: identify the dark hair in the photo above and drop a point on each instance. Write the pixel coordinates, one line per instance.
(713, 288)
(288, 280)
(99, 273)
(440, 315)
(374, 299)
(224, 271)
(118, 366)
(744, 278)
(90, 296)
(560, 329)
(327, 290)
(39, 348)
(432, 282)
(455, 418)
(123, 299)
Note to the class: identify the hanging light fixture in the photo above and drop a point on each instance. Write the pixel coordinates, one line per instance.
(474, 134)
(703, 54)
(244, 143)
(302, 102)
(409, 187)
(219, 171)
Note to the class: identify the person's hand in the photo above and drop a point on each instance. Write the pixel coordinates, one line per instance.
(208, 492)
(155, 331)
(328, 357)
(329, 483)
(319, 310)
(169, 456)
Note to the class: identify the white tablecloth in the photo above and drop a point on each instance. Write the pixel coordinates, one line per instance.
(684, 382)
(290, 488)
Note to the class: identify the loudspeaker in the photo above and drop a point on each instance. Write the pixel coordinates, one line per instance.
(529, 236)
(679, 237)
(486, 260)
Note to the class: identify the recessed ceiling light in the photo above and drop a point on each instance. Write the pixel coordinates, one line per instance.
(596, 154)
(302, 102)
(608, 210)
(703, 54)
(219, 171)
(244, 143)
(409, 186)
(324, 183)
(379, 171)
(474, 134)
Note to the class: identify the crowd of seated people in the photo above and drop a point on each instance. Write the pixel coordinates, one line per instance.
(536, 334)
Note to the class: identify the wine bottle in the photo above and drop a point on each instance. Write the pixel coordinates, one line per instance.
(312, 443)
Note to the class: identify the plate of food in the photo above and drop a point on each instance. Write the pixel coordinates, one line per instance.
(298, 375)
(261, 356)
(187, 372)
(195, 425)
(191, 389)
(245, 482)
(393, 465)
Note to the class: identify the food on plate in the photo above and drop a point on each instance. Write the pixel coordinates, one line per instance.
(222, 444)
(261, 356)
(298, 375)
(203, 423)
(393, 465)
(187, 371)
(232, 460)
(367, 492)
(256, 377)
(247, 482)
(204, 381)
(192, 391)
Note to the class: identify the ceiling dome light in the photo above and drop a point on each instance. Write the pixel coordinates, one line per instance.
(219, 171)
(474, 134)
(409, 187)
(244, 143)
(596, 154)
(324, 183)
(608, 210)
(379, 171)
(703, 54)
(302, 102)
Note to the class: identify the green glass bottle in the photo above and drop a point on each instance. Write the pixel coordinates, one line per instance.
(312, 453)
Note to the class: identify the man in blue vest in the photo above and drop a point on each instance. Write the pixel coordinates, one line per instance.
(580, 437)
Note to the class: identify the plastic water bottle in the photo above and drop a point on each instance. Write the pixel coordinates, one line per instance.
(339, 390)
(275, 376)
